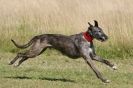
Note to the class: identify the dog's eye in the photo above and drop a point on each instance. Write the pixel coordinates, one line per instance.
(99, 31)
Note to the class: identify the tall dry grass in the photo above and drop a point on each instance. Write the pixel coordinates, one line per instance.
(22, 19)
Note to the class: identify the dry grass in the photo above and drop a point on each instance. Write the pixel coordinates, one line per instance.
(22, 19)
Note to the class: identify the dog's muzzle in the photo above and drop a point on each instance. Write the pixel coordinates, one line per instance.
(104, 38)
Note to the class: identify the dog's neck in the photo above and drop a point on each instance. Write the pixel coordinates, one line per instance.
(88, 36)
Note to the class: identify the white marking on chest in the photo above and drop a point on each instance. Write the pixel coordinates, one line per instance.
(90, 50)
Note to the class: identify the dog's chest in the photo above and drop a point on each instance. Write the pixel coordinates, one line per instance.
(85, 45)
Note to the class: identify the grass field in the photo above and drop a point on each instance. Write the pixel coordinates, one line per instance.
(57, 71)
(22, 19)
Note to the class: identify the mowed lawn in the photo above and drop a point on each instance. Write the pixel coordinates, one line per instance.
(58, 71)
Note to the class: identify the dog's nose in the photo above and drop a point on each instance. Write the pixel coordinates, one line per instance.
(103, 38)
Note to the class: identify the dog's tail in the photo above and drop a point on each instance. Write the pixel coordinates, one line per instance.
(23, 46)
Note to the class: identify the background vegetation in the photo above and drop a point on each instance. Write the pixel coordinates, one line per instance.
(23, 19)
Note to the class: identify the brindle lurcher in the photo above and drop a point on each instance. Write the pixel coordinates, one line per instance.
(73, 46)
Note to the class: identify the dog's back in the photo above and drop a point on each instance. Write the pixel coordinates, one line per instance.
(63, 43)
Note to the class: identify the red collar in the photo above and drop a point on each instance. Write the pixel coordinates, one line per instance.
(88, 37)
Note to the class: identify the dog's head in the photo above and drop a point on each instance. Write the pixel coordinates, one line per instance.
(96, 32)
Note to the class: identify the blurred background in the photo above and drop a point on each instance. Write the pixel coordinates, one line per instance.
(23, 19)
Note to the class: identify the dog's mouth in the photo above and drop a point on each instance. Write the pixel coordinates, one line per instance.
(103, 39)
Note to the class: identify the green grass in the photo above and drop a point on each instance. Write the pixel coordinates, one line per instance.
(57, 71)
(120, 52)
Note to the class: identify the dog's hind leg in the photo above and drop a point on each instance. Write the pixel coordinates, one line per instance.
(34, 51)
(22, 60)
(29, 55)
(19, 55)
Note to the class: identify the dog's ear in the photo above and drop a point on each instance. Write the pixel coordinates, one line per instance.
(96, 23)
(90, 24)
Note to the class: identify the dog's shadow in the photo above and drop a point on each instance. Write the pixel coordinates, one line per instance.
(42, 78)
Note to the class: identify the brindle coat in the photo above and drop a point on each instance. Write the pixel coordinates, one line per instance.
(73, 46)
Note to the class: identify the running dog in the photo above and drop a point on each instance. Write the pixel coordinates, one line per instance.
(73, 46)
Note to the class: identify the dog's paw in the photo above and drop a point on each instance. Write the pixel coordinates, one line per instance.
(15, 65)
(106, 81)
(10, 63)
(114, 67)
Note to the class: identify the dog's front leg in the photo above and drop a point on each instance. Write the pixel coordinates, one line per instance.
(95, 57)
(99, 59)
(98, 74)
